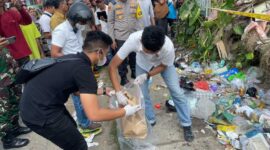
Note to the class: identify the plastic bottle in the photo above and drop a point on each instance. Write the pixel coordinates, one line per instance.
(244, 142)
(242, 125)
(261, 93)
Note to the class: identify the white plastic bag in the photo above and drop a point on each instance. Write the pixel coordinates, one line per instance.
(133, 142)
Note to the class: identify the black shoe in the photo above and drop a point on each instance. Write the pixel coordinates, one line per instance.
(153, 124)
(9, 143)
(20, 130)
(124, 81)
(170, 107)
(133, 75)
(188, 135)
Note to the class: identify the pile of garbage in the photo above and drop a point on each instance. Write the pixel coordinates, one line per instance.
(230, 101)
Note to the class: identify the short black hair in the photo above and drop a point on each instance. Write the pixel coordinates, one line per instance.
(153, 38)
(49, 3)
(58, 2)
(95, 40)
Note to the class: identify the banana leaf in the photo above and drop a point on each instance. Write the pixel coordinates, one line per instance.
(185, 10)
(195, 13)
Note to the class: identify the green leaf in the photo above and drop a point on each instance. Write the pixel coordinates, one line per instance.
(249, 56)
(238, 65)
(223, 19)
(195, 13)
(228, 4)
(185, 10)
(208, 24)
(238, 30)
(190, 30)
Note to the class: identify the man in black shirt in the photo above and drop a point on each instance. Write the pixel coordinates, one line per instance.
(42, 104)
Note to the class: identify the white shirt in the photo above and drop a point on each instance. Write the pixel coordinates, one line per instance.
(147, 12)
(64, 36)
(104, 25)
(44, 22)
(146, 61)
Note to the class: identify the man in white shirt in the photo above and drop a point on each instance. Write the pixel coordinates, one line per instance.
(66, 39)
(155, 54)
(44, 22)
(148, 17)
(101, 20)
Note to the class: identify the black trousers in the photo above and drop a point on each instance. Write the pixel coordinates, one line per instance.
(62, 131)
(131, 61)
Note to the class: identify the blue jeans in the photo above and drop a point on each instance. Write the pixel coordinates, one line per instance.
(172, 81)
(83, 121)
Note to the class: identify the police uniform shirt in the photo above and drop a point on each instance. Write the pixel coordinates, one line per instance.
(44, 96)
(146, 61)
(122, 19)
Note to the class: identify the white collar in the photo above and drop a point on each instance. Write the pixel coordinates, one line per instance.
(45, 12)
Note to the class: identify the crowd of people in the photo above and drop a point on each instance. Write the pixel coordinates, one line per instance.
(87, 33)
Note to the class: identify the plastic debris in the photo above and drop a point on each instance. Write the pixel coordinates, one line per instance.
(237, 109)
(157, 106)
(258, 142)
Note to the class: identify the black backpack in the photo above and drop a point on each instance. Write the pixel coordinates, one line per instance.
(34, 67)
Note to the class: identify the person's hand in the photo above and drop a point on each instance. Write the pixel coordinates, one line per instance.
(131, 110)
(122, 99)
(140, 79)
(114, 45)
(3, 42)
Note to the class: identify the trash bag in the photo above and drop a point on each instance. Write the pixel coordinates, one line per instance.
(198, 101)
(134, 126)
(134, 132)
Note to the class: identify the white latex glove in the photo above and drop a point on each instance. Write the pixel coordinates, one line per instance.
(140, 79)
(131, 110)
(122, 99)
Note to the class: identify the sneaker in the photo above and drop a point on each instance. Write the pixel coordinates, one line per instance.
(9, 143)
(92, 128)
(152, 122)
(188, 135)
(170, 105)
(88, 134)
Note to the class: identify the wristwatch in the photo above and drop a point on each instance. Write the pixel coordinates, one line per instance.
(148, 76)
